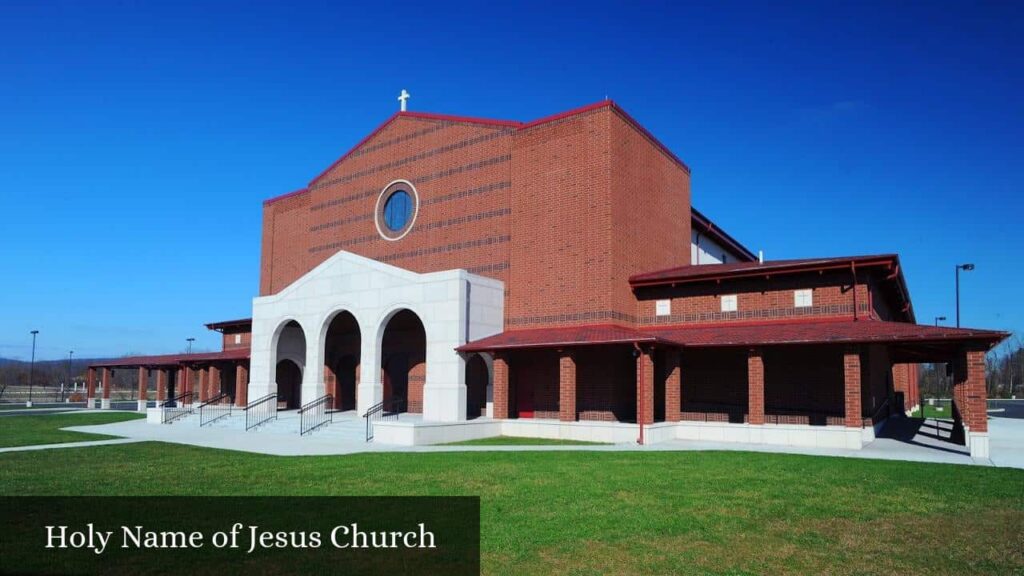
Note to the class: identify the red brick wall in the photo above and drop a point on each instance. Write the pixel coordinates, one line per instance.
(563, 212)
(228, 341)
(461, 172)
(560, 257)
(714, 385)
(852, 384)
(759, 299)
(650, 202)
(804, 385)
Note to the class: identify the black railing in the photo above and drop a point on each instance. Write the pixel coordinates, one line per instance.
(387, 410)
(261, 411)
(315, 414)
(214, 409)
(176, 408)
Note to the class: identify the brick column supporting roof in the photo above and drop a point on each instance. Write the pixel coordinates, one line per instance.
(645, 387)
(852, 383)
(755, 386)
(107, 381)
(143, 383)
(673, 385)
(161, 385)
(501, 392)
(242, 385)
(90, 384)
(566, 386)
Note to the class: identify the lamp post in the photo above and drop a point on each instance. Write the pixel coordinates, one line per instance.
(939, 319)
(68, 381)
(32, 369)
(190, 341)
(965, 268)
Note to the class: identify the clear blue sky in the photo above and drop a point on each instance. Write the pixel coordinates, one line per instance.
(137, 141)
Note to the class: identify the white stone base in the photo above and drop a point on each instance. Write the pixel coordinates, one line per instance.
(28, 404)
(779, 434)
(422, 433)
(90, 403)
(105, 404)
(978, 443)
(142, 405)
(154, 416)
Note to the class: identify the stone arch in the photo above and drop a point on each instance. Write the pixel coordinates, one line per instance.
(403, 358)
(478, 378)
(289, 362)
(341, 352)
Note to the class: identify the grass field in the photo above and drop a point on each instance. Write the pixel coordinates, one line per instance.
(26, 430)
(617, 512)
(521, 441)
(941, 411)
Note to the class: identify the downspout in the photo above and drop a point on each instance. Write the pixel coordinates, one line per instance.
(640, 393)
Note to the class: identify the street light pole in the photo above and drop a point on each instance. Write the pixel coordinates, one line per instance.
(68, 381)
(965, 268)
(32, 369)
(939, 319)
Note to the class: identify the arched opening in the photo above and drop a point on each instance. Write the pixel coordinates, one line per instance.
(404, 360)
(289, 384)
(342, 347)
(477, 380)
(291, 358)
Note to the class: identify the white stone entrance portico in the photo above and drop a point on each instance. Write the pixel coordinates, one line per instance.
(454, 307)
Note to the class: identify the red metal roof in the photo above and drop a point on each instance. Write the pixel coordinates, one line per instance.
(555, 337)
(171, 359)
(240, 323)
(817, 331)
(808, 331)
(705, 272)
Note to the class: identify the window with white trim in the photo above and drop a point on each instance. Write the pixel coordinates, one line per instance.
(238, 338)
(729, 303)
(803, 298)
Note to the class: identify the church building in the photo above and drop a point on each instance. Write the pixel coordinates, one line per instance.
(551, 278)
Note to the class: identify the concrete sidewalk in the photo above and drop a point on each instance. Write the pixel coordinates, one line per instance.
(924, 443)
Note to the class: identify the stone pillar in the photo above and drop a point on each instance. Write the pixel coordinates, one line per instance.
(214, 382)
(90, 388)
(143, 388)
(161, 386)
(673, 385)
(242, 384)
(501, 391)
(107, 381)
(566, 386)
(852, 381)
(755, 386)
(645, 387)
(204, 384)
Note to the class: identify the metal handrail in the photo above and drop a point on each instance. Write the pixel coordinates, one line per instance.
(378, 412)
(315, 414)
(261, 411)
(176, 408)
(207, 415)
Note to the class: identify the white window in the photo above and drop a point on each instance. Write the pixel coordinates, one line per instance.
(663, 308)
(803, 298)
(238, 338)
(729, 303)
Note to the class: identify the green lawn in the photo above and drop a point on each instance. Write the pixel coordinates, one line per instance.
(619, 512)
(944, 412)
(521, 441)
(28, 430)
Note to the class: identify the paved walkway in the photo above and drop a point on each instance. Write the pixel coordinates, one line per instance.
(69, 445)
(910, 440)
